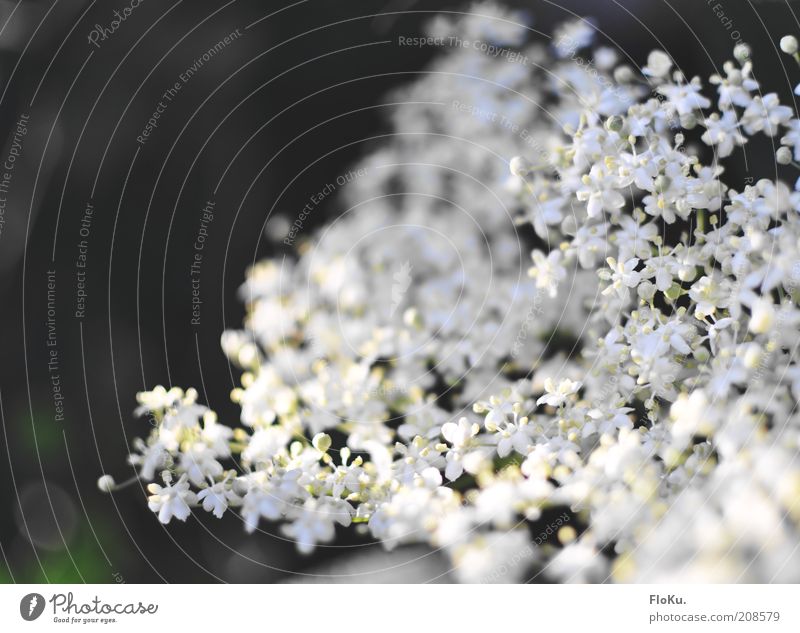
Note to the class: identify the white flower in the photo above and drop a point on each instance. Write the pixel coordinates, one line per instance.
(685, 98)
(199, 463)
(150, 457)
(590, 244)
(215, 435)
(171, 500)
(270, 496)
(792, 137)
(515, 436)
(558, 395)
(258, 503)
(735, 89)
(494, 558)
(762, 317)
(709, 293)
(579, 562)
(692, 415)
(765, 114)
(415, 458)
(622, 276)
(158, 399)
(599, 192)
(573, 36)
(265, 444)
(184, 416)
(634, 239)
(412, 514)
(460, 434)
(498, 504)
(461, 438)
(723, 133)
(315, 523)
(548, 271)
(215, 498)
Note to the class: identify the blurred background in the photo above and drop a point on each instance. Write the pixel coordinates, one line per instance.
(260, 126)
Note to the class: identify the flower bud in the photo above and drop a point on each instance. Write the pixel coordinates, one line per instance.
(412, 318)
(674, 291)
(783, 155)
(752, 356)
(688, 121)
(658, 64)
(762, 317)
(742, 53)
(646, 290)
(520, 166)
(614, 123)
(624, 74)
(322, 442)
(687, 273)
(106, 483)
(567, 534)
(789, 44)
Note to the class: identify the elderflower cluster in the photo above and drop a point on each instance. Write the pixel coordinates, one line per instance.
(416, 371)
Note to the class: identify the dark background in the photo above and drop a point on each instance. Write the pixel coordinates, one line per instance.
(296, 86)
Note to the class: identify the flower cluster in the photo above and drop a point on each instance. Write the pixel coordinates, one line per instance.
(639, 382)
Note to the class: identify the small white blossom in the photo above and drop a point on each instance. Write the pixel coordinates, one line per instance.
(215, 499)
(622, 276)
(171, 500)
(558, 394)
(548, 271)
